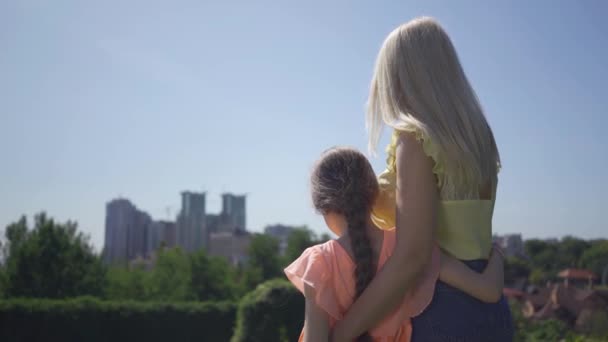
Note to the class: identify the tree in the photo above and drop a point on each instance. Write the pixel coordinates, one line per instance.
(263, 263)
(51, 260)
(212, 278)
(538, 277)
(299, 239)
(545, 255)
(547, 330)
(251, 276)
(171, 278)
(571, 249)
(127, 284)
(14, 234)
(515, 269)
(3, 256)
(273, 312)
(2, 282)
(596, 259)
(324, 237)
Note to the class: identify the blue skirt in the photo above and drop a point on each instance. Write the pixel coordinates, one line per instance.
(455, 316)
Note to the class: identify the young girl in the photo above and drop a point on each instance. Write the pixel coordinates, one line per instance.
(333, 274)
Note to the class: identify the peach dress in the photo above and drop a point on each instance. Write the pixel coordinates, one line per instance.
(329, 270)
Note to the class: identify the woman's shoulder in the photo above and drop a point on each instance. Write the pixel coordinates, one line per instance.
(417, 144)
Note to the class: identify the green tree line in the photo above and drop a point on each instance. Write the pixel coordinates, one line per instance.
(54, 260)
(545, 259)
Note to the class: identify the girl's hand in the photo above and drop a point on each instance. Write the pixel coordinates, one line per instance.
(486, 286)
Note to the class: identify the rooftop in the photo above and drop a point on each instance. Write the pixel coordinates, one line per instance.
(574, 273)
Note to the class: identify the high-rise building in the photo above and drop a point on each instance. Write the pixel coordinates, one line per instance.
(234, 213)
(161, 233)
(137, 236)
(119, 216)
(512, 244)
(233, 246)
(126, 231)
(213, 222)
(191, 228)
(280, 232)
(168, 234)
(153, 237)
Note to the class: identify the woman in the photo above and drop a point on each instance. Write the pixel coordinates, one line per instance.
(439, 186)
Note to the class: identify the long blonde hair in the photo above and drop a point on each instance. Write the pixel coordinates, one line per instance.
(419, 83)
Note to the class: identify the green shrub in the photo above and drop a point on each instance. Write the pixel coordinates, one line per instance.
(596, 324)
(581, 338)
(547, 330)
(273, 312)
(89, 319)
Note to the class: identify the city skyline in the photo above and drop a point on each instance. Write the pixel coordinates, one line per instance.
(110, 98)
(131, 233)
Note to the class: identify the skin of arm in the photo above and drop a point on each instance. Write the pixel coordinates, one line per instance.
(486, 286)
(416, 200)
(316, 324)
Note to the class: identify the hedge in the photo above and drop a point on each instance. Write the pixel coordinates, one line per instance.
(273, 312)
(89, 319)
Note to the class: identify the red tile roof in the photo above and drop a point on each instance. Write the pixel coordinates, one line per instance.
(573, 273)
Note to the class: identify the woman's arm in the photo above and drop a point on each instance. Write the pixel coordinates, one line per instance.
(316, 324)
(486, 286)
(416, 199)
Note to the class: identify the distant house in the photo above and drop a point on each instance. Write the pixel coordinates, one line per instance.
(535, 301)
(512, 244)
(572, 305)
(577, 277)
(574, 301)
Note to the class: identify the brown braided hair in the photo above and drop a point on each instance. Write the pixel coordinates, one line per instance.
(343, 182)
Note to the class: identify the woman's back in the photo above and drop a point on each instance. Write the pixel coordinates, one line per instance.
(464, 230)
(464, 214)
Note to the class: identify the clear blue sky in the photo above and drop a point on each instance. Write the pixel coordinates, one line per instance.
(144, 100)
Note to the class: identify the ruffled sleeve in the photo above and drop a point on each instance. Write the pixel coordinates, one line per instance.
(383, 211)
(428, 146)
(313, 269)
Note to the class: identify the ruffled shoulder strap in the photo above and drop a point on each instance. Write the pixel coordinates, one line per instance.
(314, 268)
(428, 146)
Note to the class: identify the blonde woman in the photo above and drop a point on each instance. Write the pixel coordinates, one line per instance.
(439, 187)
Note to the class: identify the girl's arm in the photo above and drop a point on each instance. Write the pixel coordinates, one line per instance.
(316, 324)
(486, 286)
(416, 199)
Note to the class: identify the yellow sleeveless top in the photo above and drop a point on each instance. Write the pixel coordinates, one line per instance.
(464, 222)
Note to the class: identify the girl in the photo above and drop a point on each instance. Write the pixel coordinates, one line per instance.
(333, 274)
(439, 187)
